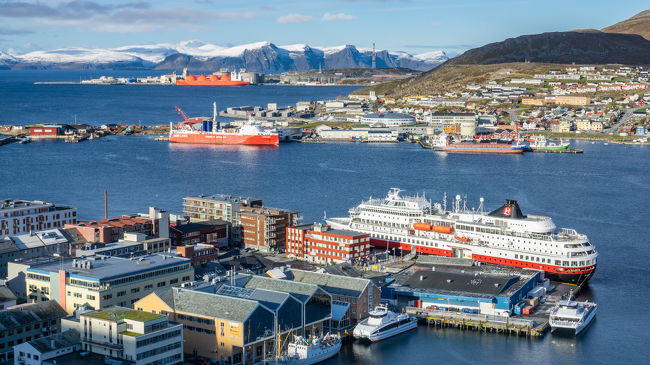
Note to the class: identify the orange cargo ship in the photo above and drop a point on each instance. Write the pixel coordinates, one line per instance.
(210, 80)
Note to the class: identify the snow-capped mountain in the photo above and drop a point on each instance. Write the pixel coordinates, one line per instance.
(260, 56)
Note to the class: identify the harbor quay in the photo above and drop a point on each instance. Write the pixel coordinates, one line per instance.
(231, 280)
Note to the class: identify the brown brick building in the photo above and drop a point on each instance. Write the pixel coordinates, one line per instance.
(264, 229)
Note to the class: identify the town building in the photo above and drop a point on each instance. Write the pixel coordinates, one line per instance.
(125, 334)
(24, 216)
(572, 100)
(7, 297)
(48, 130)
(222, 207)
(388, 119)
(376, 135)
(199, 254)
(264, 228)
(361, 294)
(40, 351)
(98, 282)
(133, 244)
(36, 244)
(212, 232)
(217, 327)
(491, 289)
(318, 243)
(25, 323)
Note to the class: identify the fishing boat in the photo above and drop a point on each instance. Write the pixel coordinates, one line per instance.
(540, 143)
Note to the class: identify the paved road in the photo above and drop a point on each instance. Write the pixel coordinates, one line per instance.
(622, 120)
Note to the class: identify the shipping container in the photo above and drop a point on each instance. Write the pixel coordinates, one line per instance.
(527, 310)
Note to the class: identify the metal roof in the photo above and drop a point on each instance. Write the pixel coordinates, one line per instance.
(388, 115)
(106, 268)
(25, 315)
(207, 304)
(39, 239)
(333, 284)
(302, 291)
(56, 341)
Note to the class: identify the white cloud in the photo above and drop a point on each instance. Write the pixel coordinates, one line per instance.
(327, 17)
(295, 18)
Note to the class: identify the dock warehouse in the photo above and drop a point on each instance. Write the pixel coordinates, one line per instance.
(485, 289)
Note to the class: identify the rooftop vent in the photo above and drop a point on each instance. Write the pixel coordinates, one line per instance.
(422, 277)
(449, 281)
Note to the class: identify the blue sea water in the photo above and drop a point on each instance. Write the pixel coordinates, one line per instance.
(603, 193)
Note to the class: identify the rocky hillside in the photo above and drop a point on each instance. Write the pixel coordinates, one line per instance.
(507, 59)
(592, 47)
(638, 24)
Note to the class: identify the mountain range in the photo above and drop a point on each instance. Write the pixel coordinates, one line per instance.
(263, 57)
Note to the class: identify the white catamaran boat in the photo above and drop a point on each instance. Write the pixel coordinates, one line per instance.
(572, 316)
(309, 351)
(504, 236)
(382, 324)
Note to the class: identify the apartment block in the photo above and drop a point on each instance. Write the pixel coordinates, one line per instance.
(31, 245)
(318, 243)
(24, 216)
(129, 335)
(213, 232)
(25, 323)
(264, 229)
(99, 282)
(219, 206)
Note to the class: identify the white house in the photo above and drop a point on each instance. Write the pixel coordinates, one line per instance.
(36, 351)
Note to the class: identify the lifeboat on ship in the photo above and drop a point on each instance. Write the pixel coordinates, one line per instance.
(462, 239)
(430, 227)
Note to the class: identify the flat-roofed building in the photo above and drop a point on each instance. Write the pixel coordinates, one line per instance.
(133, 244)
(264, 228)
(99, 282)
(125, 334)
(25, 323)
(213, 232)
(489, 289)
(318, 243)
(219, 206)
(218, 327)
(24, 216)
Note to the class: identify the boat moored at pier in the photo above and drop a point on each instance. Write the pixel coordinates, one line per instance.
(572, 316)
(382, 324)
(504, 236)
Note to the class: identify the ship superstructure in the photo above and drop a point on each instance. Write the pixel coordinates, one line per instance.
(504, 236)
(211, 132)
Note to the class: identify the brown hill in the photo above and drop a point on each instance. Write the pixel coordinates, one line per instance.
(638, 24)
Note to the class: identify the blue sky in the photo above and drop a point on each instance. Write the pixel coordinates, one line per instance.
(410, 25)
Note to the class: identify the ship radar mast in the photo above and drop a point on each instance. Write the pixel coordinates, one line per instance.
(444, 202)
(457, 203)
(480, 205)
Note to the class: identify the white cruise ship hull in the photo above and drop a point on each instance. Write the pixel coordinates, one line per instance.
(365, 332)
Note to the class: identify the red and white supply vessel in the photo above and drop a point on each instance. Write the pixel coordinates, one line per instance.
(504, 236)
(210, 132)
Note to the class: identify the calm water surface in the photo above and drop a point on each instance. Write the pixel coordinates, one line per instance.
(603, 193)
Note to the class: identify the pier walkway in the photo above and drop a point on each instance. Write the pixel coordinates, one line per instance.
(481, 322)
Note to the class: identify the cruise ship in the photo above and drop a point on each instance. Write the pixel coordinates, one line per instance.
(504, 236)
